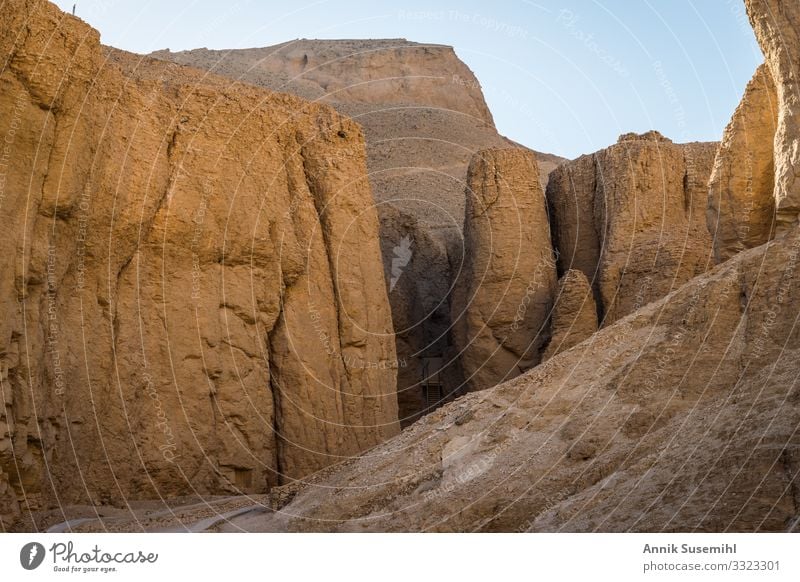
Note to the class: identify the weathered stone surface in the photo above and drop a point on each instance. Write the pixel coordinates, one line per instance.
(570, 198)
(190, 278)
(505, 291)
(574, 315)
(424, 117)
(682, 417)
(632, 217)
(777, 27)
(352, 71)
(741, 205)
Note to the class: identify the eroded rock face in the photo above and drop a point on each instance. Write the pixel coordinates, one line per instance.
(741, 205)
(420, 313)
(570, 198)
(191, 278)
(632, 217)
(574, 316)
(682, 417)
(353, 71)
(504, 294)
(777, 27)
(424, 117)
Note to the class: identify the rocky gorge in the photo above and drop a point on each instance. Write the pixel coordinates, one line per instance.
(310, 287)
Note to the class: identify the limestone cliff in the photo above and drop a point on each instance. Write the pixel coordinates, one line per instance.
(191, 279)
(353, 71)
(632, 217)
(741, 204)
(505, 290)
(777, 27)
(424, 117)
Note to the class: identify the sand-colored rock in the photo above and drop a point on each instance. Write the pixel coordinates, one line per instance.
(424, 117)
(505, 291)
(681, 417)
(574, 316)
(637, 208)
(777, 27)
(191, 280)
(741, 205)
(352, 71)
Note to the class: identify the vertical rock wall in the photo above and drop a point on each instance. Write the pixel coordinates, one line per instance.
(504, 294)
(191, 281)
(632, 218)
(777, 27)
(741, 205)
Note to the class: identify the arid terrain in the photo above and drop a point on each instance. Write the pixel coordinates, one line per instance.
(310, 287)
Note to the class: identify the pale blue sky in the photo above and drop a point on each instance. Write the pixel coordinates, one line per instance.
(564, 76)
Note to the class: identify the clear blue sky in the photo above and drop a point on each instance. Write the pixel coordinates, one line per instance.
(564, 76)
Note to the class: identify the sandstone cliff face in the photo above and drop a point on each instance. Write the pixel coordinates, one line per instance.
(632, 217)
(574, 316)
(505, 291)
(682, 417)
(777, 27)
(741, 205)
(424, 117)
(191, 278)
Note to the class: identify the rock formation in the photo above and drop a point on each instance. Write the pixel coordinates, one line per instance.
(741, 205)
(193, 301)
(681, 417)
(424, 116)
(777, 27)
(574, 315)
(191, 284)
(505, 290)
(358, 72)
(570, 198)
(632, 217)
